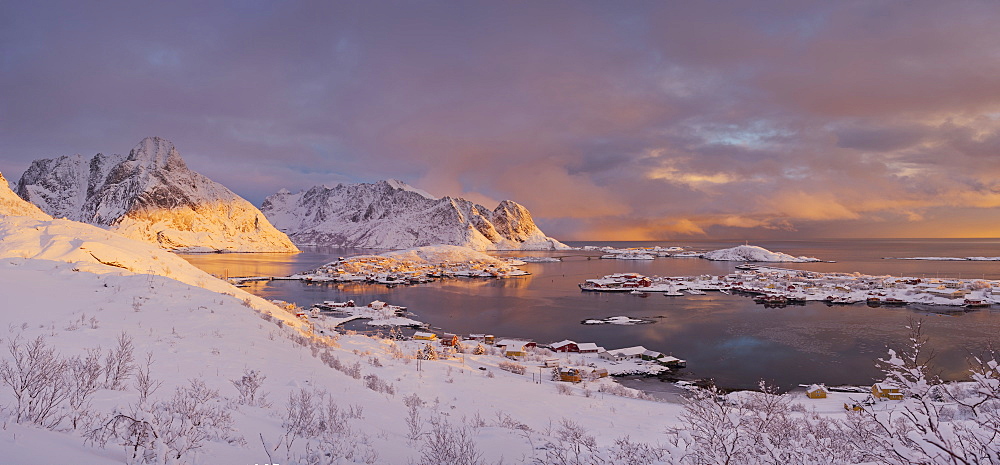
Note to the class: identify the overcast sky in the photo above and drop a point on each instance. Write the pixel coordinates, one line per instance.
(608, 120)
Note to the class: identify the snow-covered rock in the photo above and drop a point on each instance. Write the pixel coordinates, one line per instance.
(393, 215)
(752, 253)
(153, 196)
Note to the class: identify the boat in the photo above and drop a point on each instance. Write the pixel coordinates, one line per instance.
(672, 292)
(970, 303)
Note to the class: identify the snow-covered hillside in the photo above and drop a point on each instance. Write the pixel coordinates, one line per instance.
(151, 195)
(752, 253)
(394, 215)
(74, 292)
(12, 205)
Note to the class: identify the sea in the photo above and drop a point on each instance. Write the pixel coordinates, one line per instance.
(726, 338)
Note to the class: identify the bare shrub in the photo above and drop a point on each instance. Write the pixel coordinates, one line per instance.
(512, 367)
(316, 418)
(354, 371)
(572, 445)
(193, 415)
(616, 389)
(133, 431)
(247, 386)
(414, 424)
(85, 379)
(564, 389)
(377, 384)
(144, 382)
(39, 381)
(119, 363)
(449, 444)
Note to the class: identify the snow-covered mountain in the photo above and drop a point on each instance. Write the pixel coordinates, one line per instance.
(151, 195)
(394, 215)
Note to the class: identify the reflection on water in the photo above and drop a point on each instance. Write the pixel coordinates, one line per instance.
(728, 338)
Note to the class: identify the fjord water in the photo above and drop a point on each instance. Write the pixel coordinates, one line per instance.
(728, 338)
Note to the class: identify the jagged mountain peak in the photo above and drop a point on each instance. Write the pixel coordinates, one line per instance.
(151, 195)
(393, 215)
(157, 153)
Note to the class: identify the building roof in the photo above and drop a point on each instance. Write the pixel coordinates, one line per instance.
(628, 351)
(563, 343)
(588, 346)
(511, 342)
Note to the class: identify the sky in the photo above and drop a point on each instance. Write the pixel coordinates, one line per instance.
(665, 120)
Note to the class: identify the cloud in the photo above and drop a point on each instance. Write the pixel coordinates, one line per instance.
(647, 120)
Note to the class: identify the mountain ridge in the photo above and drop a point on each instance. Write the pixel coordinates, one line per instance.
(390, 214)
(151, 195)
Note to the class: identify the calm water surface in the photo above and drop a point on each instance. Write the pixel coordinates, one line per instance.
(728, 338)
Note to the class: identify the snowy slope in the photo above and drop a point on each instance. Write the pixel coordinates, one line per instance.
(752, 253)
(151, 195)
(80, 287)
(393, 215)
(11, 204)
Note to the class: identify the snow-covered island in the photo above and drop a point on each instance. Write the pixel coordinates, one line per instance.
(780, 286)
(413, 266)
(740, 253)
(752, 253)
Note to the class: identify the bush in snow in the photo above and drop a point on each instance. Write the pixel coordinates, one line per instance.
(512, 367)
(39, 380)
(448, 444)
(248, 385)
(193, 415)
(169, 430)
(377, 384)
(119, 363)
(755, 428)
(324, 428)
(937, 423)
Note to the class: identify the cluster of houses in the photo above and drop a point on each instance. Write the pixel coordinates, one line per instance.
(792, 285)
(879, 391)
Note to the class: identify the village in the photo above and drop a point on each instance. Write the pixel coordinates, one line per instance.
(780, 286)
(573, 361)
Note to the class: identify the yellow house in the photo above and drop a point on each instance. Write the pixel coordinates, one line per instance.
(816, 391)
(570, 375)
(886, 391)
(424, 336)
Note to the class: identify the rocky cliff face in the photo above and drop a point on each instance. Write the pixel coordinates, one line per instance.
(151, 195)
(393, 215)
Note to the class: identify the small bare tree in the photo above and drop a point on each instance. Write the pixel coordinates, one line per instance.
(248, 385)
(144, 382)
(119, 363)
(85, 379)
(449, 444)
(38, 379)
